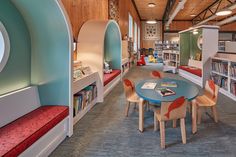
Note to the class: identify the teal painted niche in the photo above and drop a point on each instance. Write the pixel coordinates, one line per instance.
(112, 45)
(51, 50)
(16, 73)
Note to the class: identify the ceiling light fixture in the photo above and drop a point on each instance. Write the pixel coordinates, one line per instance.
(151, 21)
(224, 12)
(151, 5)
(192, 15)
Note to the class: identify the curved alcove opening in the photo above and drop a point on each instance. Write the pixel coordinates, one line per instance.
(51, 47)
(98, 41)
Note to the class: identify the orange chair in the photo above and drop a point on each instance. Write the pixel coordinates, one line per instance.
(130, 94)
(156, 74)
(171, 111)
(208, 100)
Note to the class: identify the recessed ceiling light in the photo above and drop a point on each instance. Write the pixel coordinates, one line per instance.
(151, 21)
(224, 12)
(151, 5)
(192, 15)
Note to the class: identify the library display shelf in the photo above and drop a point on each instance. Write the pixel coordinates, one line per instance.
(223, 74)
(125, 66)
(81, 113)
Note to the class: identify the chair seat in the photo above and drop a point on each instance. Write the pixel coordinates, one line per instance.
(204, 101)
(133, 98)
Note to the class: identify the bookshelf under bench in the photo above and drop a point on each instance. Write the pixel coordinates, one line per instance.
(85, 95)
(224, 74)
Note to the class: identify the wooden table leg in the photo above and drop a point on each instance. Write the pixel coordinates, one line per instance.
(194, 117)
(141, 114)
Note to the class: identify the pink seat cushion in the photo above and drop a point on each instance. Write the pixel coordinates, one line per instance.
(192, 70)
(17, 136)
(109, 77)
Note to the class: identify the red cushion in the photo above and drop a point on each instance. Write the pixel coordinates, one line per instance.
(17, 136)
(109, 77)
(193, 70)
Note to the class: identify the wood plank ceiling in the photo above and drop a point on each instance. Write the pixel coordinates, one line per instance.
(191, 7)
(147, 13)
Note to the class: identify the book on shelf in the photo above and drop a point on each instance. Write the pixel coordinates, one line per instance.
(168, 84)
(220, 67)
(233, 87)
(220, 81)
(83, 98)
(165, 91)
(233, 70)
(149, 85)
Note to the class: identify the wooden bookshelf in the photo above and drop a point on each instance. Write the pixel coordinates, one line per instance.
(223, 73)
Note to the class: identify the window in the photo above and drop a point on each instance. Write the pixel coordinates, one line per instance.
(135, 37)
(130, 26)
(4, 46)
(138, 37)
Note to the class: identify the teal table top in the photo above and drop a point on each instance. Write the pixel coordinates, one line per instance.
(188, 90)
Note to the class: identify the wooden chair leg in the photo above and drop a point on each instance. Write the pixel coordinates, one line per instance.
(155, 122)
(183, 130)
(214, 112)
(174, 123)
(127, 109)
(199, 115)
(162, 134)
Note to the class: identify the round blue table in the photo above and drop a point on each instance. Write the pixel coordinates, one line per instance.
(188, 90)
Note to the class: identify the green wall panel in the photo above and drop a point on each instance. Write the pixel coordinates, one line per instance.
(193, 43)
(16, 73)
(51, 56)
(184, 48)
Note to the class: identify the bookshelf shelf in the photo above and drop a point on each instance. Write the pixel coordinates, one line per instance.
(215, 72)
(222, 65)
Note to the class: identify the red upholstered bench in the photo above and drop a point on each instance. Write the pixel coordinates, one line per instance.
(109, 77)
(192, 70)
(20, 134)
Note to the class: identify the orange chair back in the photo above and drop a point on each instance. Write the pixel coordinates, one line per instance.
(174, 110)
(156, 74)
(211, 90)
(128, 87)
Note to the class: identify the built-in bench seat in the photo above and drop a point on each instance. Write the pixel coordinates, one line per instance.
(17, 136)
(109, 77)
(192, 71)
(27, 128)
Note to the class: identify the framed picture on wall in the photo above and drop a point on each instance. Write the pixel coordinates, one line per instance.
(151, 31)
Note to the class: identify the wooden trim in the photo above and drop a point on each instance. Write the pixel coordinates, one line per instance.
(135, 6)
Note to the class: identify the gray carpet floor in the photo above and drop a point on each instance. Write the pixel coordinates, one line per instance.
(105, 132)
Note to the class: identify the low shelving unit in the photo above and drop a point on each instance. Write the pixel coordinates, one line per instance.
(224, 74)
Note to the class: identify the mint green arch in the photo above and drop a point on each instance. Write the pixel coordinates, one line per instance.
(50, 49)
(112, 45)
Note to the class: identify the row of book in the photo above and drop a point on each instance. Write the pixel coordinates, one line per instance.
(220, 81)
(84, 98)
(221, 67)
(233, 87)
(233, 70)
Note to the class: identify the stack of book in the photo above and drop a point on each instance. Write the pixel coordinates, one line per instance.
(84, 98)
(220, 66)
